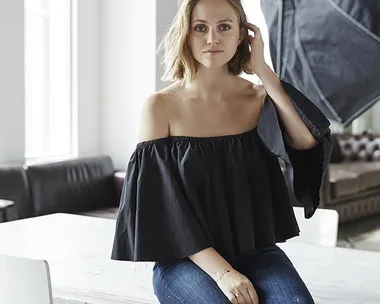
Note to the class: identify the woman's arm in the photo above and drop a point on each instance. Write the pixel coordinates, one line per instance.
(298, 135)
(211, 262)
(231, 282)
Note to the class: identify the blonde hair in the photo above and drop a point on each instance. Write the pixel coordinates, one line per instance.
(178, 59)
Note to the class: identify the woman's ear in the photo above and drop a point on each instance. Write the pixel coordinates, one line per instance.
(242, 35)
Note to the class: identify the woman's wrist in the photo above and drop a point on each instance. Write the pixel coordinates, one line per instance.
(221, 273)
(211, 262)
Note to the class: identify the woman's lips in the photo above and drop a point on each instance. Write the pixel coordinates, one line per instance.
(214, 52)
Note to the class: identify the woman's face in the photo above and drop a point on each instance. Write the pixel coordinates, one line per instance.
(214, 33)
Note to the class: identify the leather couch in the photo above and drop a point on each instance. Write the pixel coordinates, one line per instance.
(88, 186)
(352, 183)
(14, 187)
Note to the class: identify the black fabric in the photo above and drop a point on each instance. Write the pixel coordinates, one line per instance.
(306, 168)
(183, 194)
(14, 187)
(303, 171)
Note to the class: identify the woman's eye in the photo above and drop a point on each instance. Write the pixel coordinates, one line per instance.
(200, 28)
(225, 27)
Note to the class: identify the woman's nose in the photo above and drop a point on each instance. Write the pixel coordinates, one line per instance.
(212, 37)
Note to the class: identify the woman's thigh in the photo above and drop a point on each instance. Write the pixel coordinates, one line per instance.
(275, 278)
(184, 282)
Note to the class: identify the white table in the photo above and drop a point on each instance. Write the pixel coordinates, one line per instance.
(78, 248)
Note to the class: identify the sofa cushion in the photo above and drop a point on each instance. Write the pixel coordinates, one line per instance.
(14, 187)
(368, 174)
(342, 182)
(357, 147)
(353, 177)
(72, 185)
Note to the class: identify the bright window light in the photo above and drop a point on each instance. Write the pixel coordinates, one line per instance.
(48, 103)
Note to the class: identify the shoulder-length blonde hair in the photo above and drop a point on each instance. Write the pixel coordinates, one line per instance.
(178, 59)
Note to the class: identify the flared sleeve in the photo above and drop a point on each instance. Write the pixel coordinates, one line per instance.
(156, 220)
(305, 169)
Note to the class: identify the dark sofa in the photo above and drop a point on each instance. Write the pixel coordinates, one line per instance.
(88, 186)
(352, 184)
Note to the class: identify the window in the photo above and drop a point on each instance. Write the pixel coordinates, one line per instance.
(48, 106)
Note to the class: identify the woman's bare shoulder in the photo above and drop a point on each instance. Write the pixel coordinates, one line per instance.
(156, 112)
(260, 92)
(255, 92)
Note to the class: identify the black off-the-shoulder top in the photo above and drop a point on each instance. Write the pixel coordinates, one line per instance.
(183, 194)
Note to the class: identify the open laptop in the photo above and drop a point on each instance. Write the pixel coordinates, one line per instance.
(24, 281)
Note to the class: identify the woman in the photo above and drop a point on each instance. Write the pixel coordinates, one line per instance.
(204, 196)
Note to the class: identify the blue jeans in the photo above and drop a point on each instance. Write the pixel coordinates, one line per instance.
(271, 272)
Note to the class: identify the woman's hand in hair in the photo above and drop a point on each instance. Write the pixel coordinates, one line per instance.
(256, 61)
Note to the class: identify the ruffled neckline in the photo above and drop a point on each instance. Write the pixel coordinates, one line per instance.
(196, 139)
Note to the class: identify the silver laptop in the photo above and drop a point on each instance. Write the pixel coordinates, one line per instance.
(24, 281)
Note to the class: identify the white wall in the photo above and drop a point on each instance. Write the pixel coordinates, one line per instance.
(127, 73)
(87, 60)
(12, 126)
(166, 11)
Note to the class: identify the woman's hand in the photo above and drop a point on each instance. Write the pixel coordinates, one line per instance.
(256, 61)
(237, 288)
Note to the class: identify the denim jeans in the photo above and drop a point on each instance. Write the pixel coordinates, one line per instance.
(271, 272)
